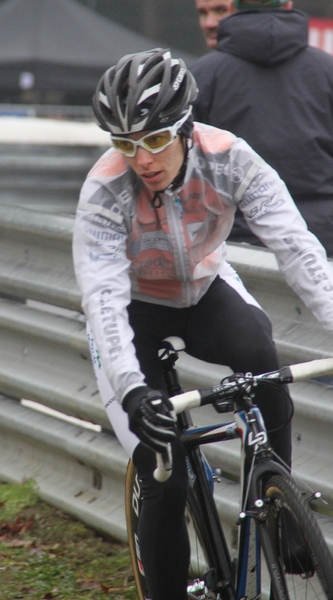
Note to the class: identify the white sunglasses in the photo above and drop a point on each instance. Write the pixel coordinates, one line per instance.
(154, 141)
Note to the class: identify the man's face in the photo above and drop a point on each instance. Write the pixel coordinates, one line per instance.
(158, 170)
(210, 14)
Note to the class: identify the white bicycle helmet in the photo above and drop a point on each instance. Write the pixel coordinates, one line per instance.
(144, 91)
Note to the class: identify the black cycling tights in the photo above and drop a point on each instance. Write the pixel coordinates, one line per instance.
(222, 329)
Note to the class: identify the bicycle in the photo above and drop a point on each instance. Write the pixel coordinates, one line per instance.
(271, 507)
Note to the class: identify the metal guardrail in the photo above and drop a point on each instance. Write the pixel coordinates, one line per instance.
(44, 357)
(45, 178)
(44, 161)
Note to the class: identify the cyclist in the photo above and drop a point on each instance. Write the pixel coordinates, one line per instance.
(149, 257)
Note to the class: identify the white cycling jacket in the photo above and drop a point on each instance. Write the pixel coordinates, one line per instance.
(126, 248)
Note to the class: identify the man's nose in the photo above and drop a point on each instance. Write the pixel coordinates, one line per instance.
(211, 21)
(143, 156)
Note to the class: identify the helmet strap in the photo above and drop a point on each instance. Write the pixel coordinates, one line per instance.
(178, 180)
(157, 200)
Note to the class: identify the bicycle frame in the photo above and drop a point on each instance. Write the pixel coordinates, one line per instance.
(250, 429)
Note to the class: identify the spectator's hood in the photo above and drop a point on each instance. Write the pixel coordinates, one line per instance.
(264, 36)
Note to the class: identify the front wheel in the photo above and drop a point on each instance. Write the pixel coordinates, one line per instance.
(299, 564)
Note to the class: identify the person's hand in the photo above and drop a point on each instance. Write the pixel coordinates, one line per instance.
(151, 417)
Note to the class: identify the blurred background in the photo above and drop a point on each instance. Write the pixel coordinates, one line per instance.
(175, 23)
(52, 53)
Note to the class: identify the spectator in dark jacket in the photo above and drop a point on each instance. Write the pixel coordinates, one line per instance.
(267, 85)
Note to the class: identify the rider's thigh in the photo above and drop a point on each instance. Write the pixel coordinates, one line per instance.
(225, 329)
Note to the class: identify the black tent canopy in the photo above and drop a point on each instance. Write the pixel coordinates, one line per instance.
(54, 51)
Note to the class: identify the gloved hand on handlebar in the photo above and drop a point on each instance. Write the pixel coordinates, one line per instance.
(151, 417)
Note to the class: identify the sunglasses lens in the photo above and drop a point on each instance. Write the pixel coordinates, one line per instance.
(125, 146)
(158, 140)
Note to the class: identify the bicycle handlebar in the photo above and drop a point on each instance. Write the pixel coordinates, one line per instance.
(313, 368)
(196, 398)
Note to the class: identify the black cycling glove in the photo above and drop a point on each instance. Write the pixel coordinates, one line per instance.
(151, 417)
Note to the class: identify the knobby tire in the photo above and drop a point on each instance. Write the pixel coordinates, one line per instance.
(289, 517)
